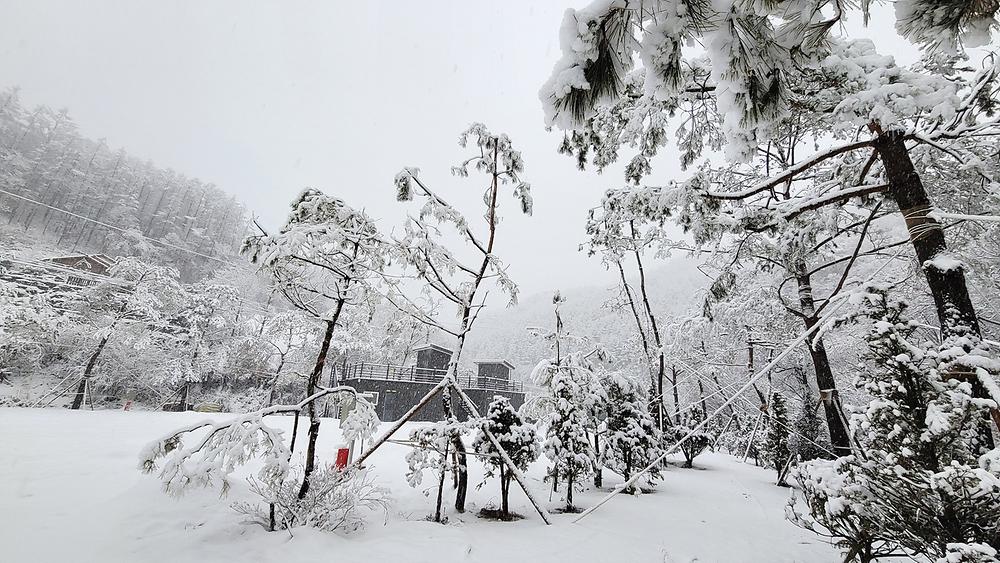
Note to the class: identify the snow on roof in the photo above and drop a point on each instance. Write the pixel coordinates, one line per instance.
(432, 347)
(101, 259)
(502, 362)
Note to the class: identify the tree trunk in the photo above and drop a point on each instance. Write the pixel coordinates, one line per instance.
(661, 362)
(440, 496)
(504, 489)
(839, 437)
(653, 386)
(955, 311)
(569, 493)
(628, 472)
(310, 390)
(951, 295)
(677, 400)
(598, 474)
(461, 466)
(81, 390)
(704, 404)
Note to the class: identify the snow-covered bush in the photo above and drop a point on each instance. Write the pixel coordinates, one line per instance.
(28, 328)
(921, 482)
(693, 445)
(746, 444)
(337, 499)
(224, 445)
(633, 439)
(517, 438)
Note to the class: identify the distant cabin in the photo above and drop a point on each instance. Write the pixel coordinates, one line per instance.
(433, 357)
(59, 277)
(398, 388)
(97, 264)
(493, 374)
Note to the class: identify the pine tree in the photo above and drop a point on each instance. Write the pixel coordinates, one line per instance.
(566, 442)
(764, 59)
(437, 264)
(633, 437)
(575, 398)
(807, 442)
(922, 484)
(696, 443)
(516, 437)
(776, 442)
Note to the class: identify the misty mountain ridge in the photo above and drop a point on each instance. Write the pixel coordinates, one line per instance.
(674, 288)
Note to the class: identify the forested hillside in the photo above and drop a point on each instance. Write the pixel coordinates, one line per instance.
(79, 195)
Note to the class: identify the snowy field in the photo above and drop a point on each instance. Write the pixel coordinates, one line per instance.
(71, 492)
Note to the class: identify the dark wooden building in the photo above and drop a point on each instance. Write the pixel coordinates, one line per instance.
(97, 264)
(398, 388)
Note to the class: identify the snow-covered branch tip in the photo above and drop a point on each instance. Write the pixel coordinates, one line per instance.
(231, 443)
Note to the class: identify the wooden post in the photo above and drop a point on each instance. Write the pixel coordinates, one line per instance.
(444, 469)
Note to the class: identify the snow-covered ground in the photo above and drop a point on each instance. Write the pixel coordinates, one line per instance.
(70, 491)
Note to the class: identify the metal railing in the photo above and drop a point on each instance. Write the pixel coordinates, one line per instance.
(414, 374)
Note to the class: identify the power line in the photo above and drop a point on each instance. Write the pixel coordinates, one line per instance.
(753, 379)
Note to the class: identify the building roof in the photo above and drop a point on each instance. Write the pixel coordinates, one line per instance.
(509, 365)
(433, 347)
(73, 259)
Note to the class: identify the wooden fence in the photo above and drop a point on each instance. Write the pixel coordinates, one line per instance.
(414, 374)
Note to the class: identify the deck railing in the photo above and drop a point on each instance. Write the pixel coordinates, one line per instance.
(414, 374)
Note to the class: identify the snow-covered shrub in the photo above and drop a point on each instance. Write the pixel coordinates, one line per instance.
(430, 444)
(749, 445)
(28, 328)
(517, 438)
(693, 445)
(218, 448)
(921, 482)
(633, 439)
(337, 499)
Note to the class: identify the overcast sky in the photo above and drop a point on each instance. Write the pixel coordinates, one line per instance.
(264, 99)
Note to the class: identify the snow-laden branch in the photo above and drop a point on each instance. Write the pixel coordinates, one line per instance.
(790, 173)
(226, 445)
(796, 208)
(457, 218)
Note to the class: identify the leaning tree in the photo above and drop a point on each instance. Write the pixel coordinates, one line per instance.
(136, 294)
(323, 260)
